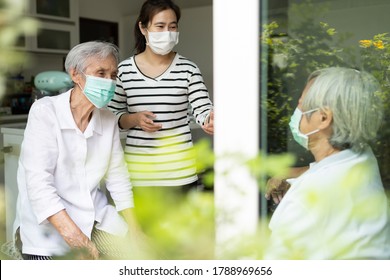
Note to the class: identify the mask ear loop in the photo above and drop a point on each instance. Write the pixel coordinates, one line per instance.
(85, 75)
(308, 112)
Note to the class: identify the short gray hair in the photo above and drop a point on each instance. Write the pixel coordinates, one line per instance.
(78, 55)
(354, 98)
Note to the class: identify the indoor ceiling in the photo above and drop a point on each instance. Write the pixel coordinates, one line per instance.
(133, 6)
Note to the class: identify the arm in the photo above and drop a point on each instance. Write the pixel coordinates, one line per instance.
(200, 101)
(118, 105)
(143, 119)
(72, 234)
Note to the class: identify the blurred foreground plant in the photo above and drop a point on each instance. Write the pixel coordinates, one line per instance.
(13, 25)
(181, 225)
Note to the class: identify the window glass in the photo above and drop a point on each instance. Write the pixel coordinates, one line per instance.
(300, 36)
(53, 39)
(59, 8)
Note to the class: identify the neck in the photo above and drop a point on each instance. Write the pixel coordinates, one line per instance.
(322, 149)
(156, 59)
(81, 109)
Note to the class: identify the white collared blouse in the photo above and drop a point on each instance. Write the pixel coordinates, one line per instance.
(61, 167)
(336, 210)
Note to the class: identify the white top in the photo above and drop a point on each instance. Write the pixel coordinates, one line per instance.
(61, 167)
(162, 158)
(335, 210)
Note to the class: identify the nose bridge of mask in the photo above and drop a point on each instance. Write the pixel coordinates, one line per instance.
(99, 83)
(163, 36)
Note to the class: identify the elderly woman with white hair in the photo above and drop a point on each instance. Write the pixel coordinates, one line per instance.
(71, 144)
(337, 209)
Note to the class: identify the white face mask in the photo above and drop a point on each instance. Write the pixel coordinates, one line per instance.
(162, 43)
(299, 137)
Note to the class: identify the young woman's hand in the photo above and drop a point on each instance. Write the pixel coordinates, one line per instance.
(208, 126)
(145, 121)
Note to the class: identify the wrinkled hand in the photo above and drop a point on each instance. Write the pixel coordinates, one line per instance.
(73, 236)
(145, 121)
(276, 189)
(208, 126)
(83, 247)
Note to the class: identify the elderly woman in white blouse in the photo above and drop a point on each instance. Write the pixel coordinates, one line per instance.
(71, 144)
(337, 209)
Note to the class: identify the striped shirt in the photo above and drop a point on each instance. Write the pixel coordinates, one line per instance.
(165, 157)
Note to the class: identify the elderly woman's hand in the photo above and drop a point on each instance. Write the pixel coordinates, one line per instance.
(276, 189)
(73, 236)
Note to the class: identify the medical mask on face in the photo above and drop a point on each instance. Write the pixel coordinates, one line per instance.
(162, 43)
(299, 137)
(99, 91)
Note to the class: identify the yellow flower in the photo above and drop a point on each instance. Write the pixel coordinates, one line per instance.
(365, 43)
(379, 44)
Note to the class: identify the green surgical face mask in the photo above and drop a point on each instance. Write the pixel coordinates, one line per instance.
(99, 91)
(299, 137)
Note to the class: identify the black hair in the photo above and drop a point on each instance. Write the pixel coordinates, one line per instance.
(149, 9)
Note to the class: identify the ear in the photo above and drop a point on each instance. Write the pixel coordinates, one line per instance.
(326, 120)
(142, 28)
(75, 76)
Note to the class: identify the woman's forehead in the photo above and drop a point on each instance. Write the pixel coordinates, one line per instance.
(165, 16)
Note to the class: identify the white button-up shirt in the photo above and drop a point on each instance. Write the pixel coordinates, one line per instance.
(61, 167)
(335, 210)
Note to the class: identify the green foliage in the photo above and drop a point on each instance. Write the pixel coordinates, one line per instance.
(264, 166)
(308, 46)
(178, 225)
(375, 58)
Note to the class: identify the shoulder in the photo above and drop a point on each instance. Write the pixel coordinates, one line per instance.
(126, 64)
(181, 60)
(43, 102)
(48, 107)
(44, 105)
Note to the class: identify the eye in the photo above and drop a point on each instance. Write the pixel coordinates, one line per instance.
(173, 27)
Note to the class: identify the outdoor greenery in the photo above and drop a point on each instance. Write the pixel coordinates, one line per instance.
(375, 58)
(311, 45)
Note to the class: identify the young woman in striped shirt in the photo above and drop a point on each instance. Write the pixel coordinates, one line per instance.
(154, 90)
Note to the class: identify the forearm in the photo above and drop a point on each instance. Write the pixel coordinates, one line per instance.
(297, 171)
(71, 233)
(127, 121)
